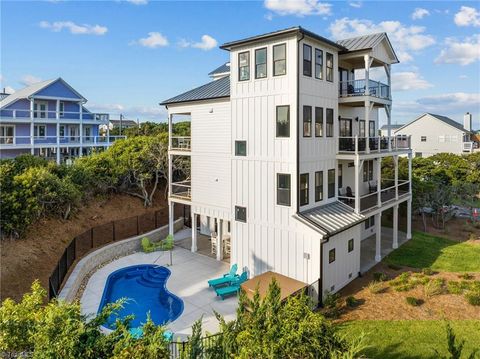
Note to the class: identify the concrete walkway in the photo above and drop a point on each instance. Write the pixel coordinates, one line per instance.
(188, 281)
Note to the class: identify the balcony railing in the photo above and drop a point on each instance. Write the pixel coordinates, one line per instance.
(181, 143)
(182, 190)
(359, 88)
(53, 115)
(358, 145)
(7, 141)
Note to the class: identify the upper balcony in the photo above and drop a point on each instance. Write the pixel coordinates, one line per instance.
(18, 115)
(348, 147)
(15, 142)
(355, 92)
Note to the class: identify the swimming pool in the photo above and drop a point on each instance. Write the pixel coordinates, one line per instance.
(144, 287)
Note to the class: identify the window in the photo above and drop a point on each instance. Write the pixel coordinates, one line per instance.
(244, 66)
(7, 135)
(368, 171)
(304, 189)
(62, 109)
(240, 148)
(39, 131)
(423, 138)
(283, 189)
(318, 64)
(318, 186)
(40, 109)
(370, 222)
(331, 255)
(307, 121)
(307, 60)
(87, 133)
(350, 245)
(345, 127)
(240, 214)
(279, 60)
(283, 121)
(371, 129)
(329, 124)
(318, 121)
(340, 176)
(329, 67)
(62, 131)
(331, 183)
(261, 63)
(361, 128)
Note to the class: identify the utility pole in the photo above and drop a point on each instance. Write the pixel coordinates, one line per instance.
(121, 122)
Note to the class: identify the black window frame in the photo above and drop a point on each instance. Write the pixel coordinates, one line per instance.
(61, 109)
(318, 186)
(423, 138)
(319, 64)
(239, 210)
(61, 131)
(237, 152)
(287, 189)
(340, 175)
(305, 190)
(307, 120)
(327, 77)
(331, 186)
(278, 135)
(331, 256)
(350, 245)
(329, 127)
(279, 60)
(307, 64)
(371, 129)
(264, 63)
(319, 122)
(241, 67)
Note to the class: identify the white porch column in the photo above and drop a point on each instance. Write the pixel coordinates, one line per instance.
(378, 237)
(57, 116)
(358, 170)
(170, 157)
(395, 163)
(171, 212)
(194, 232)
(32, 126)
(80, 110)
(367, 126)
(379, 182)
(366, 58)
(220, 240)
(409, 219)
(395, 227)
(388, 111)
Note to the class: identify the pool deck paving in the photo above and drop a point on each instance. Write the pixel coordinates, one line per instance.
(190, 273)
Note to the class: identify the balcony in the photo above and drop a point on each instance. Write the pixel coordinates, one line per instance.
(355, 88)
(11, 142)
(182, 190)
(46, 116)
(365, 145)
(181, 143)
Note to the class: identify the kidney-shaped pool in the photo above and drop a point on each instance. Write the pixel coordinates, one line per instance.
(145, 289)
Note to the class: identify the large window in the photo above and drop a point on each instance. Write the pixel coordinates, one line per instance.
(7, 134)
(240, 148)
(307, 60)
(39, 131)
(329, 67)
(318, 121)
(331, 183)
(371, 129)
(318, 64)
(340, 176)
(240, 214)
(304, 189)
(40, 109)
(261, 63)
(370, 222)
(368, 171)
(279, 60)
(318, 186)
(361, 128)
(345, 127)
(307, 121)
(329, 124)
(283, 121)
(244, 66)
(283, 189)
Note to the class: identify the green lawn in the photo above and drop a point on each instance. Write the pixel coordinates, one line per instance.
(440, 254)
(408, 339)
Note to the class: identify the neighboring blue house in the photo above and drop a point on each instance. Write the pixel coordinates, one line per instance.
(48, 119)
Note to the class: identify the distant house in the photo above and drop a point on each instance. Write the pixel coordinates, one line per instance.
(432, 134)
(384, 129)
(117, 124)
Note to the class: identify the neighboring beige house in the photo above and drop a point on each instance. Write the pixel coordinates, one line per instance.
(384, 129)
(432, 134)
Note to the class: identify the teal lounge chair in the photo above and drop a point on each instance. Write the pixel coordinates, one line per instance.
(226, 279)
(233, 288)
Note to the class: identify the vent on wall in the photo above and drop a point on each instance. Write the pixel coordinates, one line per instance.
(350, 275)
(332, 288)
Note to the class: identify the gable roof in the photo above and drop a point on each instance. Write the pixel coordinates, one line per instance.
(31, 90)
(367, 42)
(212, 90)
(124, 122)
(222, 69)
(392, 127)
(444, 119)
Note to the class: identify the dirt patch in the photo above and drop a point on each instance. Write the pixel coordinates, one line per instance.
(35, 255)
(392, 305)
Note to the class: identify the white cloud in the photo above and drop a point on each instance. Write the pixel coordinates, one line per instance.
(420, 13)
(28, 80)
(355, 4)
(138, 2)
(467, 16)
(405, 39)
(409, 80)
(75, 29)
(298, 7)
(207, 43)
(456, 99)
(460, 52)
(153, 40)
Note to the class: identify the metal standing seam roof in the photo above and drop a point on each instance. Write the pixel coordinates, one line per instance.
(444, 119)
(362, 42)
(223, 69)
(333, 217)
(393, 127)
(214, 89)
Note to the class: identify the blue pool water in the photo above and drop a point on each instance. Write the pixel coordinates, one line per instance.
(144, 287)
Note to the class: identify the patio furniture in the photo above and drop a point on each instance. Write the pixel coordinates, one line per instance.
(213, 243)
(226, 279)
(233, 288)
(226, 246)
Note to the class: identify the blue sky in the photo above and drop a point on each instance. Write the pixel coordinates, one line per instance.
(127, 56)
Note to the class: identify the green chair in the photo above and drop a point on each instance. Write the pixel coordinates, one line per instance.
(233, 288)
(226, 279)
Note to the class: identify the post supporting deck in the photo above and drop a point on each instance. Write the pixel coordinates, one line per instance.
(171, 212)
(220, 240)
(395, 227)
(194, 232)
(378, 241)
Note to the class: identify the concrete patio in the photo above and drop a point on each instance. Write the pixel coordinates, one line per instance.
(190, 272)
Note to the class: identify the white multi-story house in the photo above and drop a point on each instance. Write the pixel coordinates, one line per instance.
(431, 134)
(285, 156)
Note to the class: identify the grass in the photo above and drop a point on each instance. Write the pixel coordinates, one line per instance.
(408, 339)
(436, 253)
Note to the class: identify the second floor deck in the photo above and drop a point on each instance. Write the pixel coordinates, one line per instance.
(355, 145)
(20, 115)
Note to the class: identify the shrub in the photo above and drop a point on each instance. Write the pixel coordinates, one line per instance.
(375, 287)
(414, 302)
(466, 276)
(330, 302)
(380, 277)
(428, 271)
(351, 301)
(434, 287)
(473, 297)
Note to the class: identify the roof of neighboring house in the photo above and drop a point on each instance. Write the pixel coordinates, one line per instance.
(332, 218)
(392, 127)
(444, 119)
(223, 69)
(124, 122)
(214, 89)
(31, 90)
(366, 42)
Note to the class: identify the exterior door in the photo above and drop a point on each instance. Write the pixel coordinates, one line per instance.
(74, 133)
(87, 133)
(40, 109)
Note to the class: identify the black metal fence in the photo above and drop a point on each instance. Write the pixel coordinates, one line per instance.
(100, 235)
(208, 347)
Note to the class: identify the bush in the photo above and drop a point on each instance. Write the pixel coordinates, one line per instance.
(428, 271)
(414, 302)
(380, 277)
(331, 305)
(473, 297)
(466, 276)
(376, 287)
(455, 287)
(351, 301)
(434, 287)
